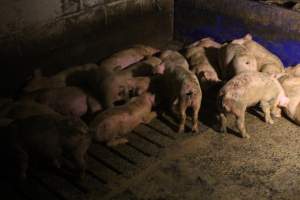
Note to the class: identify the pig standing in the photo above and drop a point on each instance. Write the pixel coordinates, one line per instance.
(245, 90)
(59, 80)
(181, 87)
(235, 59)
(200, 62)
(45, 136)
(291, 86)
(71, 101)
(113, 124)
(266, 61)
(127, 57)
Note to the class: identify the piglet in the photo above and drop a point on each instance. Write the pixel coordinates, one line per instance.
(266, 61)
(127, 57)
(245, 90)
(112, 125)
(235, 59)
(180, 87)
(71, 101)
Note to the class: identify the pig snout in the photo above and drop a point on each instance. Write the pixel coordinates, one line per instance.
(283, 101)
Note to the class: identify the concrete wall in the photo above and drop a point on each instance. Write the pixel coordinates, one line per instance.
(275, 27)
(52, 34)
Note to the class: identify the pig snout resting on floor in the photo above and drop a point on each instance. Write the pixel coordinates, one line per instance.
(46, 137)
(59, 80)
(200, 64)
(291, 86)
(245, 90)
(112, 125)
(266, 61)
(235, 59)
(181, 87)
(127, 57)
(71, 101)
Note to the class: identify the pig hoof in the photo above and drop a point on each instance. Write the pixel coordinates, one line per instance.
(117, 142)
(195, 130)
(270, 121)
(246, 136)
(181, 129)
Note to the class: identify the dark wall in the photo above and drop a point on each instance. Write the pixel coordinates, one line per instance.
(53, 34)
(275, 27)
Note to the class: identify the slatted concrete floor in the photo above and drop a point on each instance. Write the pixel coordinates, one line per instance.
(107, 167)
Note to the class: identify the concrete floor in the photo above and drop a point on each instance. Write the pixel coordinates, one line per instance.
(224, 166)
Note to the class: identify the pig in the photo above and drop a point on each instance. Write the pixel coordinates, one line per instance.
(59, 80)
(112, 125)
(245, 90)
(266, 61)
(201, 64)
(26, 108)
(71, 101)
(47, 137)
(148, 67)
(181, 88)
(171, 58)
(127, 57)
(205, 43)
(235, 59)
(291, 86)
(118, 86)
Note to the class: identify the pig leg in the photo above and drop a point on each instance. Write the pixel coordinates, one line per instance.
(196, 109)
(116, 141)
(148, 118)
(275, 111)
(223, 120)
(182, 113)
(78, 155)
(265, 106)
(240, 122)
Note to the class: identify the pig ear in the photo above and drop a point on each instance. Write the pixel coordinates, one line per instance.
(37, 73)
(152, 98)
(160, 69)
(248, 37)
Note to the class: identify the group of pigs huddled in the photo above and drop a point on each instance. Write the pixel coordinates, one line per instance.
(126, 89)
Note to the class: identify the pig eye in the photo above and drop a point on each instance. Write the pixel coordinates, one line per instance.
(247, 63)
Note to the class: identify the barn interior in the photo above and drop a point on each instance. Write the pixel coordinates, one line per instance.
(157, 162)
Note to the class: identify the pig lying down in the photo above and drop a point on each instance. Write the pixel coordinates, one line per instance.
(71, 101)
(46, 137)
(127, 57)
(58, 80)
(234, 59)
(200, 64)
(266, 61)
(112, 125)
(245, 90)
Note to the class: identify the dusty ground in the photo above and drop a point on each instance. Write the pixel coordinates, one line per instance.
(224, 166)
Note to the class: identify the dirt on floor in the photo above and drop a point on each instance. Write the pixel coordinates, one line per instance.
(224, 166)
